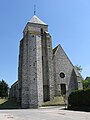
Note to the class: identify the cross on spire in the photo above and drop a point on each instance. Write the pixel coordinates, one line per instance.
(34, 9)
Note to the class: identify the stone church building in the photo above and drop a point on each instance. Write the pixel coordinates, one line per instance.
(43, 72)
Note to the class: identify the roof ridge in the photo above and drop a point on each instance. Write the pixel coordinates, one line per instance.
(36, 20)
(54, 50)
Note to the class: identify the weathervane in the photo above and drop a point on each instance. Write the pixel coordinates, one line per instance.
(34, 9)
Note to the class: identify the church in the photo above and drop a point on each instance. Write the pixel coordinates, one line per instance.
(43, 72)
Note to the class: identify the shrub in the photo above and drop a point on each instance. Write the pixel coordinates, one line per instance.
(79, 98)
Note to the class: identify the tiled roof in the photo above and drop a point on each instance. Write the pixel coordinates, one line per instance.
(35, 19)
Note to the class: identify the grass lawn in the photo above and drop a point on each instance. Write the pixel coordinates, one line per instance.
(2, 101)
(12, 104)
(55, 102)
(9, 104)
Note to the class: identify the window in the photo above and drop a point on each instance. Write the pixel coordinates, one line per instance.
(33, 64)
(41, 31)
(62, 75)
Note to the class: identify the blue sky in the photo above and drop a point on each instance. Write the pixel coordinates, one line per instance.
(69, 25)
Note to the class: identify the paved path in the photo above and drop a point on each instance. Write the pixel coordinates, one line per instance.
(50, 113)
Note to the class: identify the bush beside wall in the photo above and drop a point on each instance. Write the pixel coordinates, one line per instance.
(79, 98)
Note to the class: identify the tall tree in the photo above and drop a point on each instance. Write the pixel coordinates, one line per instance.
(3, 89)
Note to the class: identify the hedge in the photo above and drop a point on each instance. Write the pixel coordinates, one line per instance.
(79, 98)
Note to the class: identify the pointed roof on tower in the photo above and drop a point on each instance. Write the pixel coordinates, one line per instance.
(36, 20)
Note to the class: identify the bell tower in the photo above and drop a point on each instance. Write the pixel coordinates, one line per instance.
(35, 71)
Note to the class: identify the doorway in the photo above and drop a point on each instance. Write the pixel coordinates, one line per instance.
(63, 89)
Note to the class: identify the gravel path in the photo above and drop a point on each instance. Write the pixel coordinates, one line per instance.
(48, 113)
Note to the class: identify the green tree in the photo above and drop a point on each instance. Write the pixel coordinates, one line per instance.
(3, 89)
(86, 82)
(79, 68)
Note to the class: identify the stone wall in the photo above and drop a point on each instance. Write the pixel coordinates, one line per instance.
(24, 67)
(14, 91)
(50, 64)
(20, 69)
(47, 68)
(39, 70)
(31, 78)
(62, 64)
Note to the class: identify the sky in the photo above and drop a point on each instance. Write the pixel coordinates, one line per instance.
(69, 25)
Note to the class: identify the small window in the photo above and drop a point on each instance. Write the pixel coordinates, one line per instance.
(62, 75)
(33, 64)
(41, 31)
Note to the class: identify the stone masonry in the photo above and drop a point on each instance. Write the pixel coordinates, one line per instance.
(43, 72)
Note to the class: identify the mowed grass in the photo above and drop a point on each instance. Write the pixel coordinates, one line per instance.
(55, 102)
(9, 104)
(12, 104)
(2, 100)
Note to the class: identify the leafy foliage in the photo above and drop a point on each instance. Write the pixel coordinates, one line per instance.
(79, 98)
(3, 89)
(86, 82)
(79, 68)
